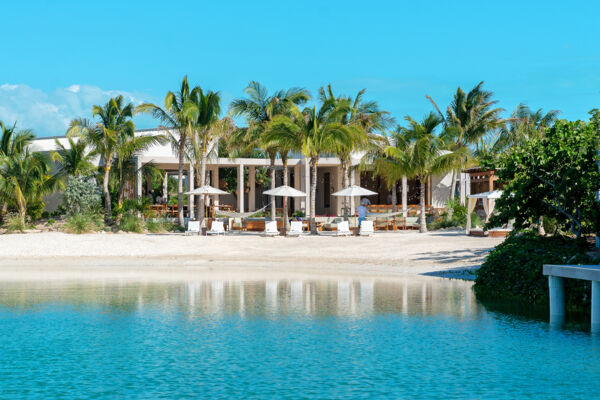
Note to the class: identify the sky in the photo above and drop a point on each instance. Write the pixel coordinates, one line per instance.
(58, 58)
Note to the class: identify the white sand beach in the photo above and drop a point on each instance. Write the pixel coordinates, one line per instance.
(53, 255)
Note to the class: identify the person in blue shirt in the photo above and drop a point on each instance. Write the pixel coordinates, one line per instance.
(362, 214)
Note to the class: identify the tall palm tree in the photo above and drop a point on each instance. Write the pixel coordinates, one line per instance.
(259, 108)
(12, 142)
(177, 117)
(74, 159)
(420, 152)
(284, 134)
(113, 128)
(524, 125)
(322, 133)
(25, 179)
(468, 118)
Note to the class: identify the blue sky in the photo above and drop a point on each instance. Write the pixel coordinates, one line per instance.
(59, 58)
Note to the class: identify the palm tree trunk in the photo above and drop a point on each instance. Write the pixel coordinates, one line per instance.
(202, 181)
(394, 196)
(22, 214)
(423, 220)
(314, 161)
(453, 184)
(107, 204)
(120, 196)
(541, 230)
(180, 219)
(286, 222)
(345, 183)
(272, 174)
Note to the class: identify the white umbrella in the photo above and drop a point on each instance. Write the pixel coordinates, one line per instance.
(285, 191)
(354, 191)
(206, 189)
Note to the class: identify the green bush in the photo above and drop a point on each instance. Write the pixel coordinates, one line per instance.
(84, 222)
(13, 223)
(158, 225)
(51, 222)
(132, 223)
(513, 270)
(35, 210)
(82, 194)
(455, 215)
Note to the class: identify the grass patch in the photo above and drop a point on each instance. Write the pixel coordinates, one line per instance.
(14, 224)
(132, 223)
(159, 225)
(84, 223)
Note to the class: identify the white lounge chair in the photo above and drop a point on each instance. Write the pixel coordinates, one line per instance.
(216, 228)
(193, 228)
(271, 228)
(295, 228)
(343, 229)
(366, 228)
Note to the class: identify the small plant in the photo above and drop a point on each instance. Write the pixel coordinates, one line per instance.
(158, 225)
(84, 222)
(81, 195)
(132, 223)
(51, 222)
(298, 214)
(14, 224)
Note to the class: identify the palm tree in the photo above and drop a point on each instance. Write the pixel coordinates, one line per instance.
(177, 119)
(73, 159)
(12, 142)
(25, 179)
(259, 108)
(420, 152)
(114, 127)
(524, 125)
(468, 118)
(322, 133)
(284, 134)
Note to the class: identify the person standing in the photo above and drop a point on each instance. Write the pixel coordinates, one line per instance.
(362, 214)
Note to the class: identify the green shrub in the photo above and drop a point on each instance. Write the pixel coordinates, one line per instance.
(455, 215)
(35, 210)
(476, 220)
(513, 270)
(298, 214)
(159, 225)
(51, 222)
(132, 223)
(82, 194)
(84, 222)
(13, 223)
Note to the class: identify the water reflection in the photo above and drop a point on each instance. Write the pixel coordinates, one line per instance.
(219, 298)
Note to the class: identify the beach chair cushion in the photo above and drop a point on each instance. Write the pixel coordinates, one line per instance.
(216, 228)
(295, 228)
(271, 228)
(343, 228)
(366, 228)
(193, 227)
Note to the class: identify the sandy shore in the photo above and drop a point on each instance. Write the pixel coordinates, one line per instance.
(48, 256)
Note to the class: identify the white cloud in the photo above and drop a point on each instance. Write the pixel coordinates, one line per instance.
(49, 113)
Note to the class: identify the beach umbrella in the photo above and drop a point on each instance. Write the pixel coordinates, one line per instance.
(285, 191)
(354, 191)
(206, 189)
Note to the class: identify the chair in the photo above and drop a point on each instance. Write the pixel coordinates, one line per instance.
(193, 228)
(271, 228)
(216, 228)
(381, 224)
(343, 229)
(366, 228)
(295, 228)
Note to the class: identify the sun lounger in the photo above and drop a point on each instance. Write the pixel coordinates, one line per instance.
(343, 229)
(216, 228)
(193, 228)
(295, 228)
(366, 228)
(271, 228)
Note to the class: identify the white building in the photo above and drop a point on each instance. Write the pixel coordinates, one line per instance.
(329, 180)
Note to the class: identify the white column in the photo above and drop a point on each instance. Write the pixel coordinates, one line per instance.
(557, 301)
(241, 188)
(138, 178)
(252, 191)
(463, 187)
(307, 185)
(191, 187)
(404, 196)
(352, 182)
(215, 183)
(165, 193)
(595, 306)
(339, 185)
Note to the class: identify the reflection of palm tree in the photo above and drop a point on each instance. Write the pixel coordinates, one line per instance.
(177, 118)
(259, 108)
(419, 152)
(468, 118)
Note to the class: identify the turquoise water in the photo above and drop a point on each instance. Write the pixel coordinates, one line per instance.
(413, 338)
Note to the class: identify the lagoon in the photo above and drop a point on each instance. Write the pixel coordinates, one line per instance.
(413, 337)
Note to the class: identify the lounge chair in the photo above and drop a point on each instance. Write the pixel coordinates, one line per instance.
(271, 228)
(343, 229)
(366, 228)
(193, 228)
(295, 228)
(216, 228)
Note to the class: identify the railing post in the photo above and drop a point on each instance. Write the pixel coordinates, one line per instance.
(595, 328)
(557, 301)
